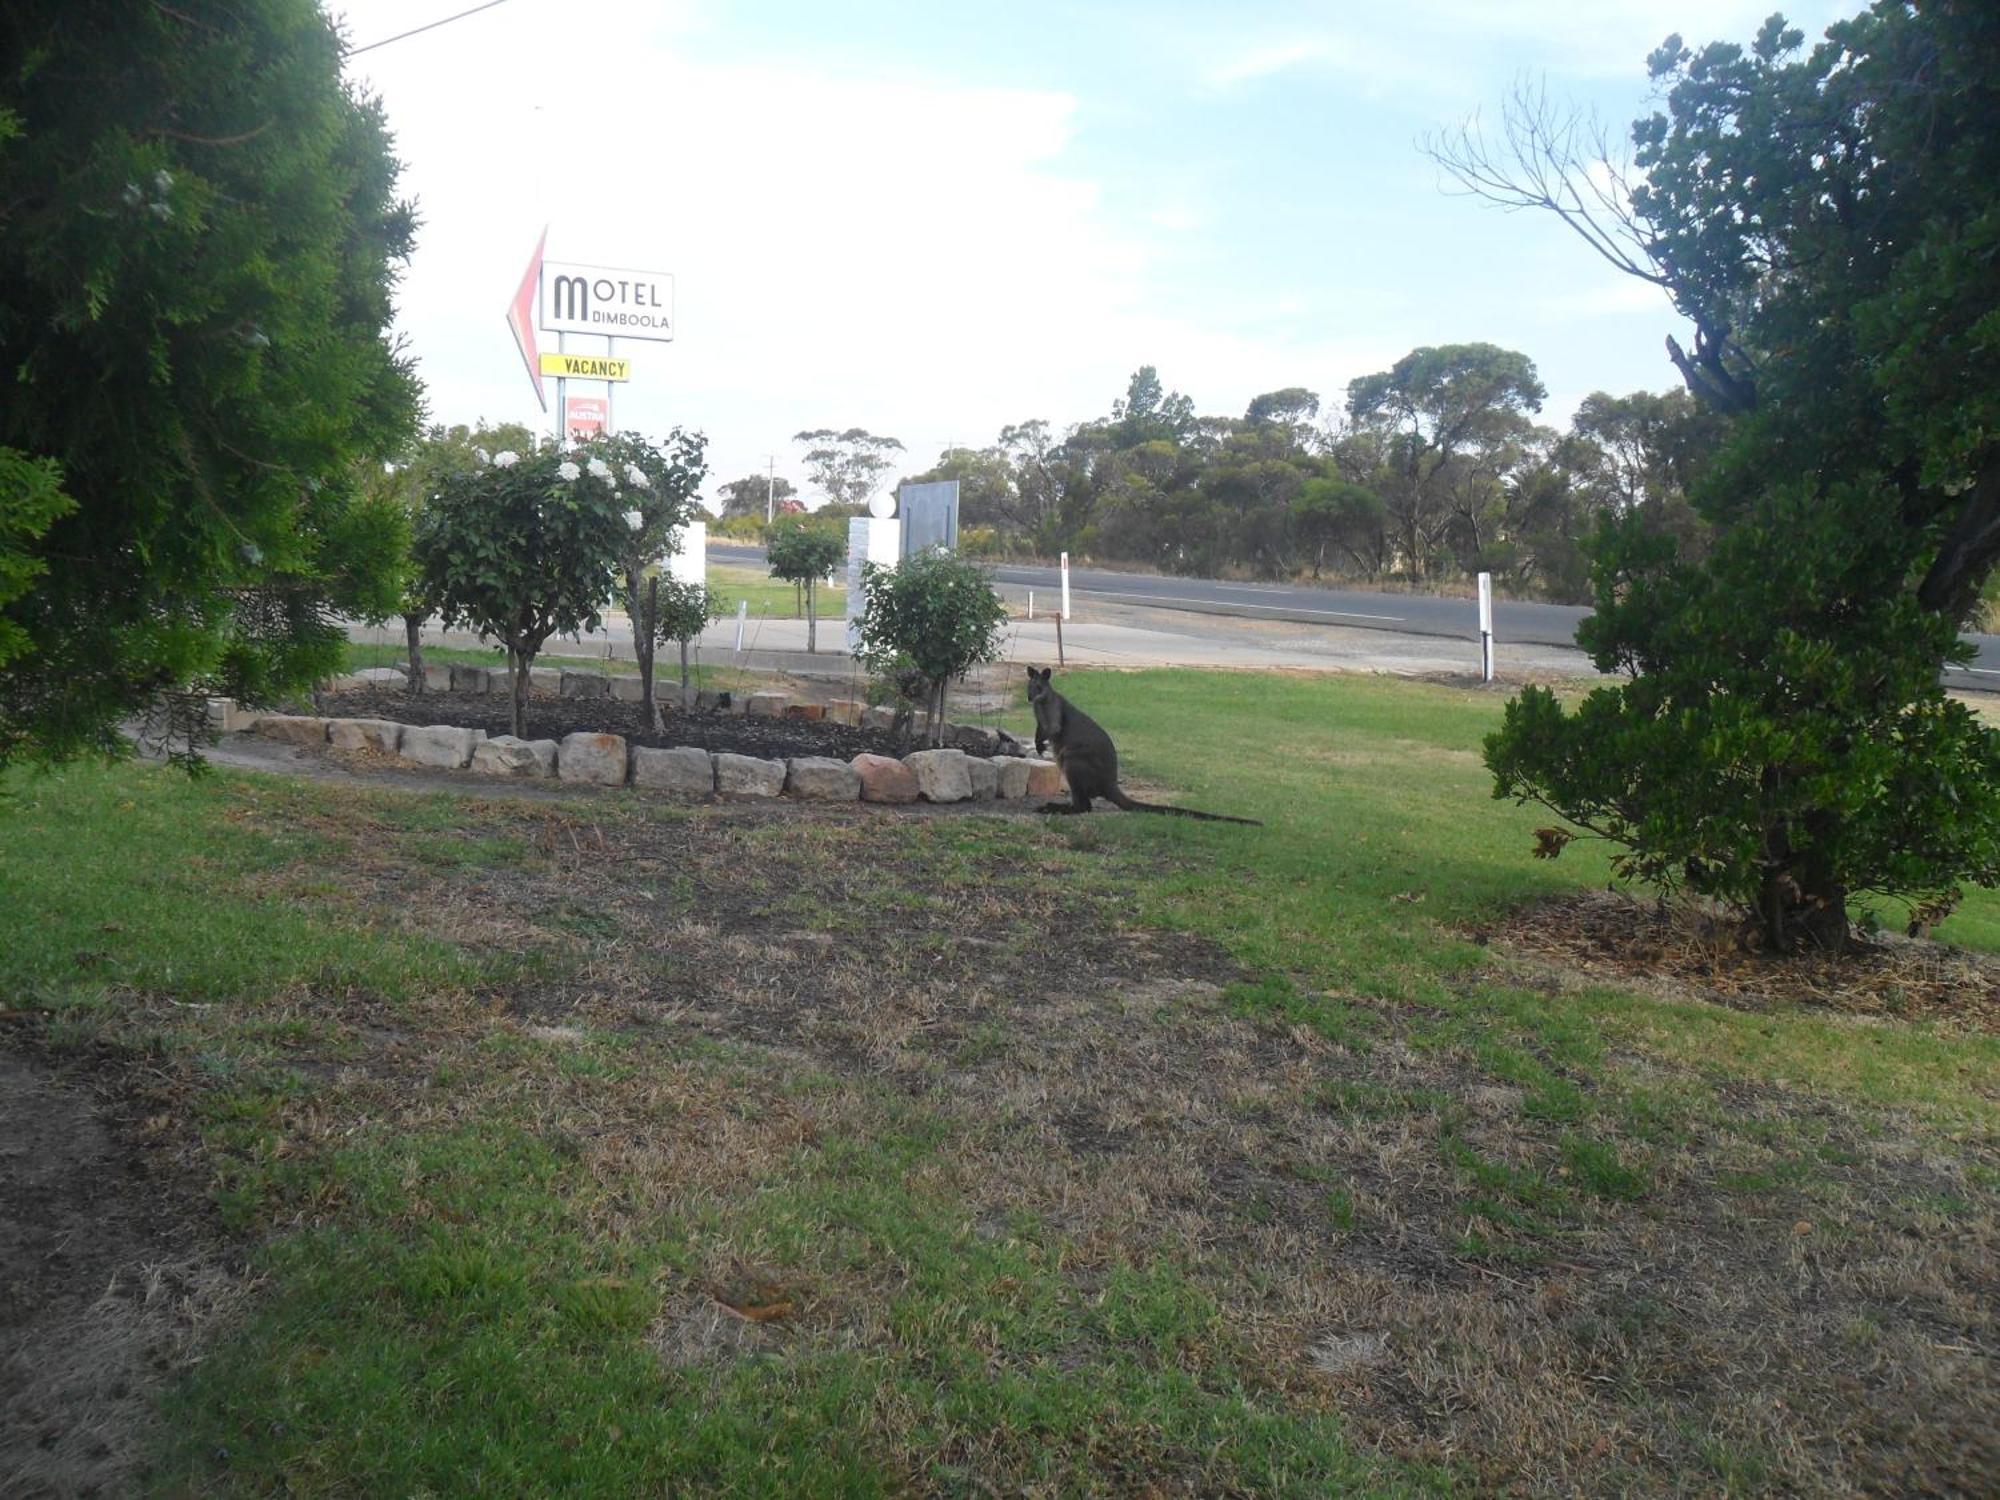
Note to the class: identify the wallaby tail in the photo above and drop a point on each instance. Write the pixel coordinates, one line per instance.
(1117, 798)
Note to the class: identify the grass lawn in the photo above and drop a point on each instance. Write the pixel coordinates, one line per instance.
(607, 1146)
(773, 598)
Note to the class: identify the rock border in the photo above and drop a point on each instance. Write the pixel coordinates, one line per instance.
(606, 760)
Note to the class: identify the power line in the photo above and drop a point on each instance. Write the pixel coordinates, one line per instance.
(417, 30)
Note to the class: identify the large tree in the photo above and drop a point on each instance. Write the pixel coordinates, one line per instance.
(199, 241)
(1448, 415)
(1828, 221)
(754, 495)
(847, 466)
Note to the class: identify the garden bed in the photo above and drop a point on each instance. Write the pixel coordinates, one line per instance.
(717, 731)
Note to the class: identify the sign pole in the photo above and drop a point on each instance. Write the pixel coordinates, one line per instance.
(610, 386)
(562, 394)
(1485, 627)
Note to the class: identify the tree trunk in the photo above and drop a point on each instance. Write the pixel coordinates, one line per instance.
(812, 621)
(684, 674)
(413, 627)
(518, 663)
(643, 654)
(937, 715)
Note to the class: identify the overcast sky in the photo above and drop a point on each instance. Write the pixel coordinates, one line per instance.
(931, 220)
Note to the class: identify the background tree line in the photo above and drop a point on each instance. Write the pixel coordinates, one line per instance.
(1431, 471)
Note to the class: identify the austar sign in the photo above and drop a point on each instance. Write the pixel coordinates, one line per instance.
(606, 301)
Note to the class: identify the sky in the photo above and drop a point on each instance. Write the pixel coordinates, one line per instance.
(932, 220)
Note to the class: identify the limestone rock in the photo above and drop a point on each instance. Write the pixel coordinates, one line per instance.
(465, 679)
(292, 729)
(585, 684)
(942, 775)
(1045, 779)
(748, 776)
(629, 689)
(812, 711)
(877, 717)
(544, 682)
(504, 755)
(379, 735)
(710, 702)
(820, 778)
(227, 716)
(985, 778)
(1014, 778)
(437, 679)
(382, 676)
(768, 705)
(885, 779)
(683, 770)
(595, 759)
(845, 710)
(442, 745)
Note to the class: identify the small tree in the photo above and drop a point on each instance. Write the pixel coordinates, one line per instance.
(524, 547)
(938, 613)
(681, 611)
(803, 552)
(657, 482)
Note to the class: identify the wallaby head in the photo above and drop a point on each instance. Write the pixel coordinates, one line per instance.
(1038, 684)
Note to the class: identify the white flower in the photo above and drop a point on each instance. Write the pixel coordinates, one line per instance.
(506, 459)
(163, 183)
(638, 477)
(599, 469)
(480, 454)
(133, 197)
(567, 470)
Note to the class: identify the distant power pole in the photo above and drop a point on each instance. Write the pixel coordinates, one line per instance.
(770, 489)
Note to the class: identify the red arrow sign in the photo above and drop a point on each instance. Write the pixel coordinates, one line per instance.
(521, 318)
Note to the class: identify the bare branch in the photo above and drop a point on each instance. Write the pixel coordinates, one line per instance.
(1556, 158)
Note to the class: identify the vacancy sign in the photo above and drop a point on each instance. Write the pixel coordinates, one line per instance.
(588, 415)
(586, 367)
(606, 301)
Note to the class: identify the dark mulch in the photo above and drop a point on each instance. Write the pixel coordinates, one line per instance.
(552, 718)
(1613, 936)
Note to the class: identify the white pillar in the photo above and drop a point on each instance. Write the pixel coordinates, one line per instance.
(869, 540)
(1485, 627)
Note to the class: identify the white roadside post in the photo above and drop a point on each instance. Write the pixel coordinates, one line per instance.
(1065, 611)
(742, 614)
(1485, 627)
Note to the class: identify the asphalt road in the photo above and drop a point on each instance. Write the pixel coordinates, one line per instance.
(1409, 614)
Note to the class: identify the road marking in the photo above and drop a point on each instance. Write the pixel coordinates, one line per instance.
(1982, 671)
(1282, 609)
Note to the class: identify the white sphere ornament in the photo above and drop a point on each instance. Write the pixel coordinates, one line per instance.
(882, 507)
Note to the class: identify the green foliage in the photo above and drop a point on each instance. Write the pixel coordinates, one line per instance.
(201, 243)
(524, 545)
(1783, 741)
(31, 500)
(801, 550)
(685, 609)
(936, 613)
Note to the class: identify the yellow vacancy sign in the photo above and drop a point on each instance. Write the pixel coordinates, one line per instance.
(586, 367)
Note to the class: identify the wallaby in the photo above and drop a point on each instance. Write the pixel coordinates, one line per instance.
(1088, 759)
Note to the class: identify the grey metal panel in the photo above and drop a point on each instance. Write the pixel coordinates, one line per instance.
(929, 514)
